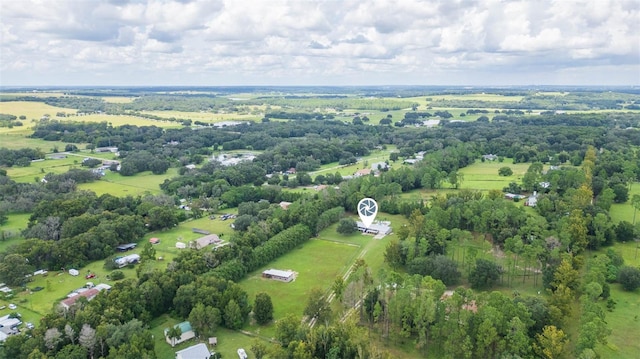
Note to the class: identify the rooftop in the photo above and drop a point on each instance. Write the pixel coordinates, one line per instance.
(198, 351)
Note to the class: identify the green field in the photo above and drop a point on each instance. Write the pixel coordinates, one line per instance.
(484, 175)
(117, 185)
(15, 224)
(624, 211)
(17, 137)
(317, 262)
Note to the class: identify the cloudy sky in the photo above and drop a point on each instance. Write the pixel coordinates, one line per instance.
(333, 42)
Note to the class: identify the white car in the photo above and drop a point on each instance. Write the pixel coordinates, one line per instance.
(30, 325)
(13, 306)
(242, 354)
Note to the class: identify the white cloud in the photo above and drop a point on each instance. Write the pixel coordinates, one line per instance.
(319, 42)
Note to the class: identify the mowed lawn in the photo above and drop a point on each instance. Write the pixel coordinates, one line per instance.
(117, 185)
(484, 175)
(624, 320)
(228, 340)
(16, 222)
(317, 262)
(624, 211)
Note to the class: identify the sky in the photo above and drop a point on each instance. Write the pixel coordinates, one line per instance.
(333, 42)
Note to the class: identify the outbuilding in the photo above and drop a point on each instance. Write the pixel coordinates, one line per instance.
(281, 275)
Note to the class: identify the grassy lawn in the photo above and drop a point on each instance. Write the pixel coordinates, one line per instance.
(624, 322)
(484, 175)
(228, 340)
(117, 185)
(17, 137)
(317, 263)
(15, 224)
(40, 168)
(624, 211)
(56, 287)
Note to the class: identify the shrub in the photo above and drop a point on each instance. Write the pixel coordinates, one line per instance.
(116, 275)
(629, 277)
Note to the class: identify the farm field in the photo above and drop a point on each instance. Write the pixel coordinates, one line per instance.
(207, 116)
(32, 110)
(120, 120)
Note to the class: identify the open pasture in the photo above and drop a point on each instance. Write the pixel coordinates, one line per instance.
(40, 168)
(317, 262)
(117, 185)
(624, 320)
(484, 175)
(484, 97)
(120, 120)
(209, 117)
(18, 137)
(32, 110)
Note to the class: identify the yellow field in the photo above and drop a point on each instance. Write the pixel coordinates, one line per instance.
(35, 94)
(118, 99)
(119, 120)
(32, 110)
(206, 116)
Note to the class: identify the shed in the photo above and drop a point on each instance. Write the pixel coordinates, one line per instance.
(281, 275)
(180, 245)
(126, 247)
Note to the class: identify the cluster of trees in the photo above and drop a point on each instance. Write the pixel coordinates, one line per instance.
(20, 157)
(11, 120)
(77, 227)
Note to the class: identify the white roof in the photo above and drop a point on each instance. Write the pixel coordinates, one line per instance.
(103, 286)
(278, 272)
(197, 351)
(382, 227)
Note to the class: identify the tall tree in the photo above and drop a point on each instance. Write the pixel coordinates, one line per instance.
(263, 308)
(317, 307)
(551, 343)
(233, 315)
(87, 338)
